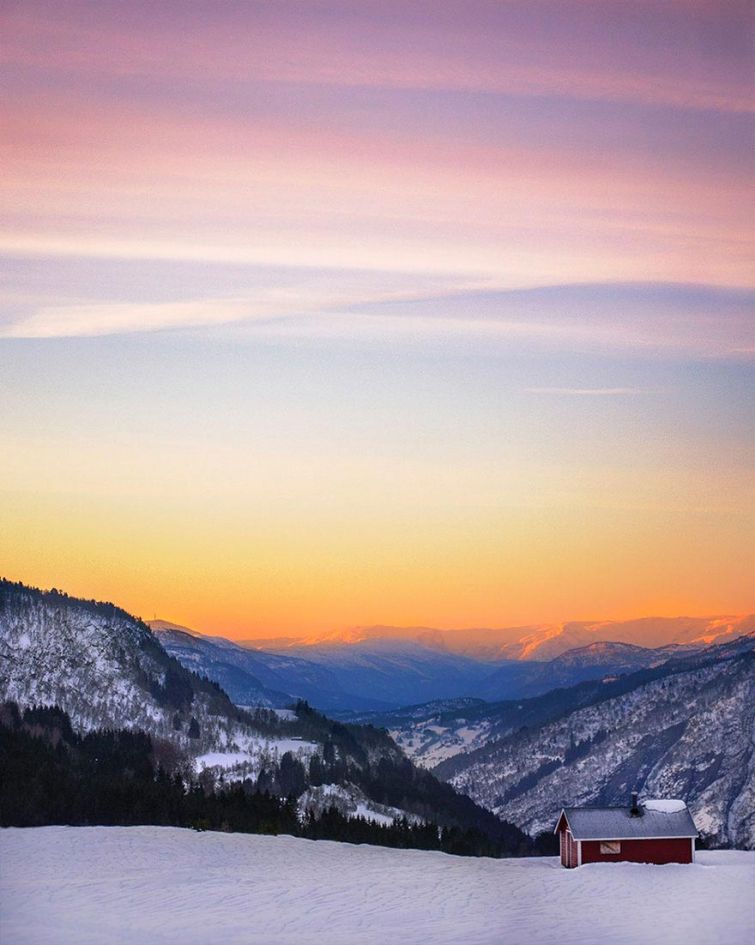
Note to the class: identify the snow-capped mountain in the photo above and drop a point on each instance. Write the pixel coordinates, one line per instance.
(539, 641)
(374, 674)
(683, 726)
(384, 673)
(106, 669)
(679, 727)
(371, 674)
(398, 672)
(594, 661)
(257, 677)
(683, 729)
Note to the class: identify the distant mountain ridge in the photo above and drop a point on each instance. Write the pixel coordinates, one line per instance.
(679, 728)
(256, 677)
(533, 642)
(677, 720)
(375, 675)
(380, 673)
(108, 671)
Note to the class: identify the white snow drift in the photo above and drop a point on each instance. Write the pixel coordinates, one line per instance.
(164, 886)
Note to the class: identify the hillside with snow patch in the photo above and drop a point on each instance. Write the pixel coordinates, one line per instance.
(687, 732)
(107, 670)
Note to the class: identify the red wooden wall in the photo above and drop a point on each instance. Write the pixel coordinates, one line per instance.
(641, 851)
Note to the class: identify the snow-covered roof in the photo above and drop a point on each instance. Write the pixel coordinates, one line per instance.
(659, 818)
(667, 804)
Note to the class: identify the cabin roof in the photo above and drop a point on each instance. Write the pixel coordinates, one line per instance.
(617, 823)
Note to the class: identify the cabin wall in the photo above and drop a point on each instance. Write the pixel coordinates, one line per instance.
(568, 849)
(677, 850)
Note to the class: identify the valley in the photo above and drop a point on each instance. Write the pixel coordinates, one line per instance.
(103, 671)
(497, 743)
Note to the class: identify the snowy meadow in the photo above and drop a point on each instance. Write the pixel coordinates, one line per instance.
(167, 886)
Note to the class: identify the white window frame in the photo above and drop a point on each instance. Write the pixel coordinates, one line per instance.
(610, 847)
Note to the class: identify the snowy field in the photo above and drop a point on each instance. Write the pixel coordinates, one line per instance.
(164, 886)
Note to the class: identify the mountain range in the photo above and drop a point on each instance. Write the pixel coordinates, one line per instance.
(380, 673)
(256, 677)
(680, 728)
(584, 727)
(532, 642)
(106, 670)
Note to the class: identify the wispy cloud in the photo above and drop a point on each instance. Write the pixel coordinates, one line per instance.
(670, 320)
(66, 321)
(548, 48)
(337, 301)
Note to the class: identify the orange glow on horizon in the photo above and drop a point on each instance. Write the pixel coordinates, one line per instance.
(351, 313)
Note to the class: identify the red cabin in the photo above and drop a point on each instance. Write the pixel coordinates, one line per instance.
(655, 831)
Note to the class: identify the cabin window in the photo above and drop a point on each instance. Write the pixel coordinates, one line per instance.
(610, 846)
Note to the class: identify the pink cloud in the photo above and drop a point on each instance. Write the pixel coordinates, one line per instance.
(683, 55)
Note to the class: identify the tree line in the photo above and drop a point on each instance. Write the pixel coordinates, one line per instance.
(52, 775)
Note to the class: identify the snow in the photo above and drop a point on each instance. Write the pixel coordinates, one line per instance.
(162, 885)
(706, 764)
(334, 790)
(287, 714)
(428, 743)
(363, 810)
(351, 801)
(259, 752)
(666, 805)
(101, 668)
(221, 759)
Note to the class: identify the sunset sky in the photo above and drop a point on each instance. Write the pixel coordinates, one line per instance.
(317, 314)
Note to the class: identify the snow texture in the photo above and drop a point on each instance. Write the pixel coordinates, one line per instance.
(428, 744)
(350, 801)
(686, 735)
(165, 886)
(102, 667)
(260, 752)
(666, 805)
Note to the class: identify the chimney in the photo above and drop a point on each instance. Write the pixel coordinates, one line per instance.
(634, 810)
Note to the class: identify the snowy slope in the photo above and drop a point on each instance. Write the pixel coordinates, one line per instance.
(254, 753)
(163, 886)
(688, 734)
(105, 669)
(434, 732)
(256, 677)
(349, 800)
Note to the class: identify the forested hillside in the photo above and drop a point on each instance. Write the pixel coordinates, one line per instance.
(97, 669)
